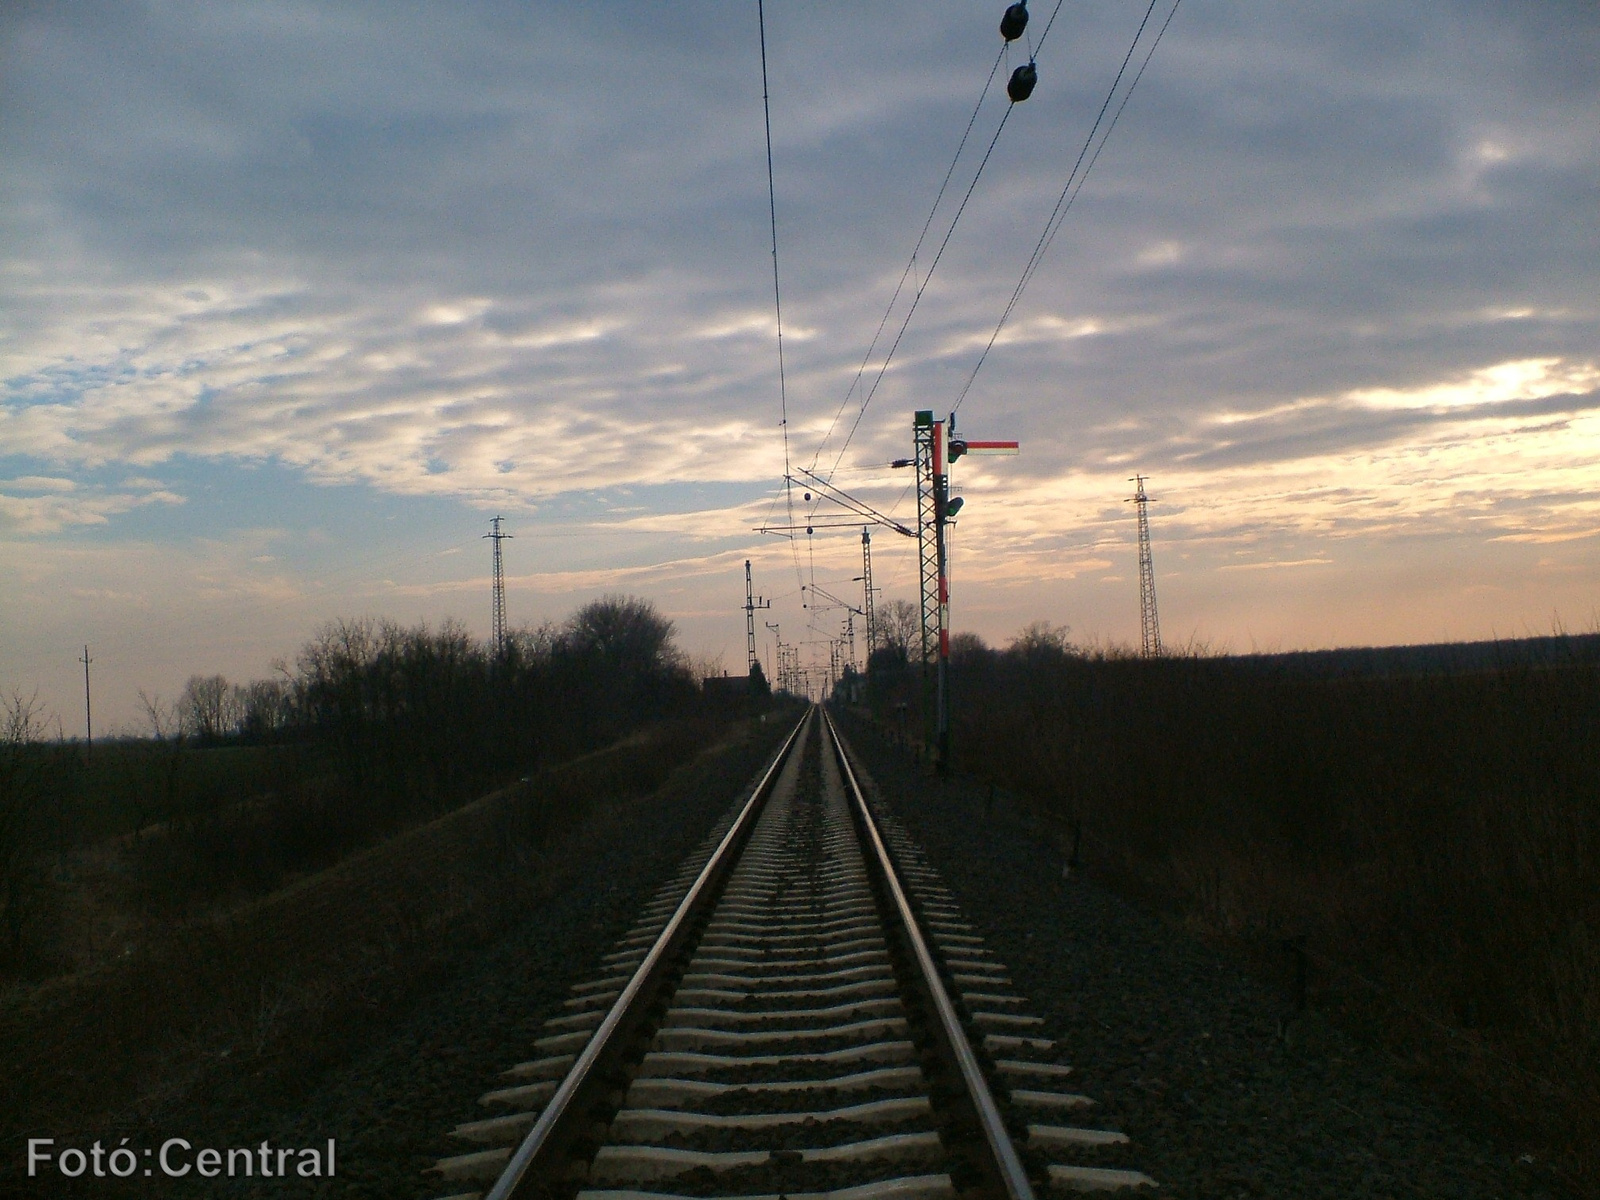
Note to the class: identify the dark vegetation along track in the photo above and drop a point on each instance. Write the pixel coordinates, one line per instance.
(802, 1012)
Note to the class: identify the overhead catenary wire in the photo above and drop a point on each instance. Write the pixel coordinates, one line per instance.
(1074, 185)
(909, 272)
(921, 282)
(777, 290)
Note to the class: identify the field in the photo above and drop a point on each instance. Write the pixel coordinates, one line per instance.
(1410, 844)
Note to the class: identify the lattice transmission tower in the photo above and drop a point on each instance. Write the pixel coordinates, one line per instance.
(1149, 621)
(498, 635)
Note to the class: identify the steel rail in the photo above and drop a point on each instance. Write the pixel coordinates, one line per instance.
(545, 1139)
(1002, 1154)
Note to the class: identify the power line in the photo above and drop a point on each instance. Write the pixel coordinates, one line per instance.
(1069, 193)
(916, 299)
(923, 285)
(1115, 117)
(912, 261)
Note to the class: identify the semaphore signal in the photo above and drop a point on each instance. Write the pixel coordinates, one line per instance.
(936, 448)
(752, 604)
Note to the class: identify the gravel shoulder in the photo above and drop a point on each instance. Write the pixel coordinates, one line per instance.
(1177, 1040)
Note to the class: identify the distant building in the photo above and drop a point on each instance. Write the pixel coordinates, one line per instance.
(726, 689)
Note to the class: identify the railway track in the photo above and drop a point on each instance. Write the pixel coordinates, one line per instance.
(802, 1012)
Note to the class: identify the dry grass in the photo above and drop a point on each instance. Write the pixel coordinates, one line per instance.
(1433, 840)
(146, 1024)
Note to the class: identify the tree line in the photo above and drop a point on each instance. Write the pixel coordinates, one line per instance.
(373, 726)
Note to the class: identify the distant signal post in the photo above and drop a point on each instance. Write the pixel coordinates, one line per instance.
(752, 605)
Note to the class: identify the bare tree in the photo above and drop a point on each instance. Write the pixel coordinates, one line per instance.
(1041, 641)
(265, 706)
(533, 643)
(900, 628)
(706, 666)
(211, 708)
(967, 649)
(165, 720)
(624, 631)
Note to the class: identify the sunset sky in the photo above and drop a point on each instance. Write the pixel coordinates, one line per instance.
(295, 296)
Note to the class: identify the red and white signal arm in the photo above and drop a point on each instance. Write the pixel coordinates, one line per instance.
(960, 446)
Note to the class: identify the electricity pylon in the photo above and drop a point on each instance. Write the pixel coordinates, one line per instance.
(1149, 622)
(498, 636)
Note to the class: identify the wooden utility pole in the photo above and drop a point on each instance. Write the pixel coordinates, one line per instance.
(88, 711)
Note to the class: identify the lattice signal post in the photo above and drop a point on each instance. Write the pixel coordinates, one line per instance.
(752, 604)
(1149, 622)
(928, 442)
(499, 632)
(936, 448)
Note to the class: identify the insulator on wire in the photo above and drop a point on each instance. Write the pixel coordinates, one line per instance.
(1014, 22)
(1021, 84)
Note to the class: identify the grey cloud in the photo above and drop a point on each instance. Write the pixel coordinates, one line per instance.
(1313, 166)
(1339, 427)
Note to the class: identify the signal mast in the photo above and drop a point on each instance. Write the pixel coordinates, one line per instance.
(752, 604)
(936, 449)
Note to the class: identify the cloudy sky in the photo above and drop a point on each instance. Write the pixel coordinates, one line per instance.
(294, 296)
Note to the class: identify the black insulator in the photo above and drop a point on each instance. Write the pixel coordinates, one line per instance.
(1020, 86)
(1014, 22)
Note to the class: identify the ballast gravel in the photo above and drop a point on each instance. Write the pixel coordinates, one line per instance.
(1176, 1041)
